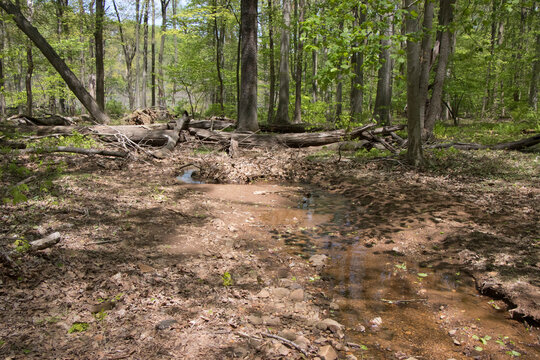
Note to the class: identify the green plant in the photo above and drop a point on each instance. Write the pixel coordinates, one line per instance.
(78, 327)
(513, 353)
(22, 245)
(484, 339)
(115, 108)
(227, 279)
(100, 316)
(372, 153)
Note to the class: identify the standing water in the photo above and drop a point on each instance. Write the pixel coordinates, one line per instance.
(393, 307)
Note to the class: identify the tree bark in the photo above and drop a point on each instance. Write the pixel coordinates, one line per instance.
(219, 40)
(282, 116)
(535, 78)
(50, 54)
(2, 77)
(129, 54)
(299, 63)
(247, 115)
(383, 99)
(435, 104)
(161, 80)
(357, 81)
(138, 17)
(415, 155)
(425, 61)
(100, 54)
(272, 90)
(153, 50)
(145, 55)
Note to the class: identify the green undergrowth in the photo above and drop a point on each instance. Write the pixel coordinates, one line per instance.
(487, 132)
(75, 139)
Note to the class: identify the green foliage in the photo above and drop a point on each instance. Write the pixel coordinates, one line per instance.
(484, 132)
(227, 279)
(100, 316)
(78, 327)
(22, 245)
(75, 139)
(17, 194)
(371, 153)
(115, 108)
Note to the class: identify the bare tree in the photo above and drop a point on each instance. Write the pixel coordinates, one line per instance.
(425, 61)
(145, 55)
(161, 80)
(272, 75)
(100, 54)
(29, 63)
(129, 54)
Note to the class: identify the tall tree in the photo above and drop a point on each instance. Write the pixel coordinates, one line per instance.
(153, 66)
(2, 77)
(535, 78)
(56, 61)
(29, 64)
(299, 63)
(138, 17)
(383, 99)
(282, 116)
(129, 53)
(145, 55)
(357, 62)
(247, 114)
(219, 39)
(100, 54)
(425, 60)
(272, 75)
(161, 79)
(435, 104)
(414, 145)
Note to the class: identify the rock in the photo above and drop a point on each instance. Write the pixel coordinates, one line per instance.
(283, 350)
(263, 294)
(452, 332)
(165, 324)
(272, 321)
(360, 328)
(287, 334)
(334, 306)
(327, 353)
(411, 358)
(376, 322)
(302, 342)
(297, 295)
(104, 306)
(318, 260)
(321, 340)
(456, 342)
(286, 283)
(350, 357)
(280, 293)
(255, 320)
(329, 324)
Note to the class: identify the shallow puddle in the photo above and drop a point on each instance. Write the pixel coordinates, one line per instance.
(392, 307)
(187, 177)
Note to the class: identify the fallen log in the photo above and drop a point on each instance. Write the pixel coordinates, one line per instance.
(291, 128)
(45, 242)
(292, 140)
(69, 149)
(512, 145)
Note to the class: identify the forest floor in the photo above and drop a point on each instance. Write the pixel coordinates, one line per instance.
(151, 268)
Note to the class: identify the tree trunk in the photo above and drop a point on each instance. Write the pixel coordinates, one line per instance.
(299, 70)
(138, 17)
(2, 78)
(161, 80)
(282, 116)
(219, 38)
(153, 69)
(272, 90)
(435, 104)
(357, 81)
(247, 115)
(425, 61)
(145, 55)
(100, 54)
(339, 87)
(383, 99)
(535, 78)
(414, 145)
(129, 54)
(315, 83)
(50, 54)
(175, 44)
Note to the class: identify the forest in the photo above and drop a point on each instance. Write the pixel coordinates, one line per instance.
(221, 179)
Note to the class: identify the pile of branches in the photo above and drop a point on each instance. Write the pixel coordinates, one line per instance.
(147, 116)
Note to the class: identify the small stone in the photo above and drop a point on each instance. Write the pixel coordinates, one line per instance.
(321, 340)
(287, 334)
(318, 260)
(263, 294)
(327, 353)
(297, 295)
(376, 322)
(329, 324)
(334, 306)
(302, 342)
(283, 350)
(411, 358)
(255, 320)
(280, 293)
(452, 332)
(339, 346)
(165, 324)
(272, 321)
(350, 357)
(456, 342)
(286, 283)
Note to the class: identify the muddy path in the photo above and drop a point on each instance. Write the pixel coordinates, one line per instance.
(362, 263)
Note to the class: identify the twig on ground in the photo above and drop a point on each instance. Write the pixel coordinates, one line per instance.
(286, 342)
(404, 301)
